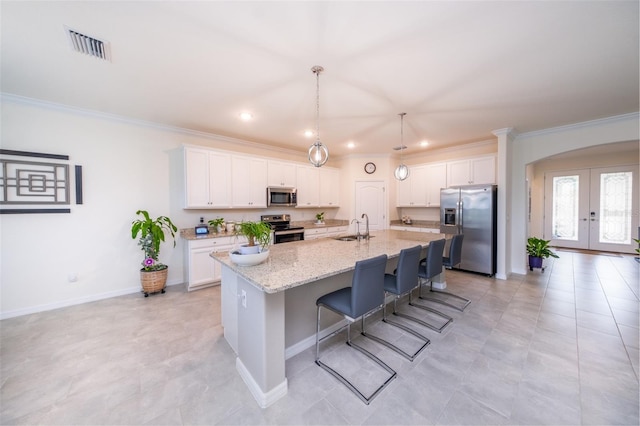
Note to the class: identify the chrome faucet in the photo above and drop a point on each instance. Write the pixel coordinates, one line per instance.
(357, 228)
(365, 216)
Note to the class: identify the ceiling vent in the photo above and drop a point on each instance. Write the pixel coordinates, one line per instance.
(89, 45)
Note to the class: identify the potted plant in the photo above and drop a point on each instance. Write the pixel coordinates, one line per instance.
(637, 240)
(320, 218)
(153, 274)
(538, 250)
(258, 234)
(217, 224)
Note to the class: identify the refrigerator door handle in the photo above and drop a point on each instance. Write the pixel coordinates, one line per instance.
(459, 215)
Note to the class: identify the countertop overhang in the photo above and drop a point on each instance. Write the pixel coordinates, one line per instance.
(298, 263)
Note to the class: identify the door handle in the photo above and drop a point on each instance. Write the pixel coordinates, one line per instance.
(584, 219)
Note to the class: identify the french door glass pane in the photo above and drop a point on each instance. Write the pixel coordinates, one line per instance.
(565, 207)
(615, 208)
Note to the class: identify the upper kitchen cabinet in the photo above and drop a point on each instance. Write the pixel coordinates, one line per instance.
(207, 175)
(473, 171)
(248, 182)
(281, 174)
(329, 187)
(436, 179)
(412, 192)
(308, 186)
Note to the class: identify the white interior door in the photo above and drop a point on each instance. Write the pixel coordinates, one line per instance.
(592, 209)
(370, 199)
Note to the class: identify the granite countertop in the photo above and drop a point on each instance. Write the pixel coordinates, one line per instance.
(433, 224)
(190, 233)
(295, 264)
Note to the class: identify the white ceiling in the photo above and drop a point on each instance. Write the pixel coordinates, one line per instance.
(458, 69)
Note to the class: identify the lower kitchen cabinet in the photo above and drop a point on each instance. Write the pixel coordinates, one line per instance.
(201, 270)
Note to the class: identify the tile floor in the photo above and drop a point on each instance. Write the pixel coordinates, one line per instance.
(559, 347)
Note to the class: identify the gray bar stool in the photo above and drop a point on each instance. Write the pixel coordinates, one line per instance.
(429, 268)
(454, 259)
(365, 296)
(404, 280)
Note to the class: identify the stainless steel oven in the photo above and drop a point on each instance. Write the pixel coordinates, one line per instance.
(283, 232)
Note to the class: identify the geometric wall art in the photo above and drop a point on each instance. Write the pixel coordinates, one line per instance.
(29, 181)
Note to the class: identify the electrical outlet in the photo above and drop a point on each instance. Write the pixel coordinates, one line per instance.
(72, 277)
(243, 298)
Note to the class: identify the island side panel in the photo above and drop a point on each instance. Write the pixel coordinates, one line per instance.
(301, 310)
(261, 326)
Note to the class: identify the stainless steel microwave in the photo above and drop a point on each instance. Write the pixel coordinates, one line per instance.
(279, 196)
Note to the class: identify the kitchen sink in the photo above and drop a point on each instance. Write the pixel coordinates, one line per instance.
(350, 238)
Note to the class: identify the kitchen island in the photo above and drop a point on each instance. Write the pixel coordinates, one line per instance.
(269, 311)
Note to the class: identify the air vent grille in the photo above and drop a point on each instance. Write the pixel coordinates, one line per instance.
(88, 45)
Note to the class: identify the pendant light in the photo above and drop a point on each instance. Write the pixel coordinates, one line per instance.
(318, 153)
(402, 171)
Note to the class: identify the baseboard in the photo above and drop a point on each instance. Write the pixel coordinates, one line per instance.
(263, 399)
(76, 301)
(310, 341)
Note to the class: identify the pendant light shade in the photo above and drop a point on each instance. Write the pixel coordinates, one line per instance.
(318, 153)
(402, 171)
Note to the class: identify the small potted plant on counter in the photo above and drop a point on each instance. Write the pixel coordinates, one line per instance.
(217, 224)
(153, 275)
(258, 234)
(257, 249)
(538, 250)
(320, 218)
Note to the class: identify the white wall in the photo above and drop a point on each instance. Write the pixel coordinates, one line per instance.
(531, 147)
(127, 166)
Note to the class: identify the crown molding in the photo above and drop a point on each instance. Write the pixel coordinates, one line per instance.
(9, 97)
(581, 125)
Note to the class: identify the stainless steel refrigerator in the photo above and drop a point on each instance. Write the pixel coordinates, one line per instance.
(472, 210)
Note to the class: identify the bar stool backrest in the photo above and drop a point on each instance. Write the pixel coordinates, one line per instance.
(455, 251)
(367, 292)
(433, 264)
(407, 271)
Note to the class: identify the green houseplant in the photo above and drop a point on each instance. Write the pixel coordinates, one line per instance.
(217, 224)
(153, 274)
(257, 233)
(538, 250)
(320, 217)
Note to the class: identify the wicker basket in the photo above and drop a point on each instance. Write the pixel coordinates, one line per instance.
(153, 281)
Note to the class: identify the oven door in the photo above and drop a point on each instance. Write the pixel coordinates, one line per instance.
(288, 236)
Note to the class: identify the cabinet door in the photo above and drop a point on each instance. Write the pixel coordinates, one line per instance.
(202, 268)
(436, 177)
(308, 186)
(281, 174)
(458, 173)
(329, 187)
(219, 180)
(207, 177)
(196, 165)
(249, 182)
(483, 170)
(419, 186)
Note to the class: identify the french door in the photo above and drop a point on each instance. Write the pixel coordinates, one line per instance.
(592, 209)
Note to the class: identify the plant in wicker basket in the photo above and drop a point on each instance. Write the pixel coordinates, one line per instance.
(153, 274)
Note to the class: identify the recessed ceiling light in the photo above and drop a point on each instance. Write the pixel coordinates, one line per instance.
(351, 145)
(308, 133)
(246, 116)
(424, 143)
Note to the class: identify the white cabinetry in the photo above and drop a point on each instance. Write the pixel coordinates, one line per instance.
(248, 182)
(315, 233)
(412, 192)
(334, 231)
(414, 229)
(481, 170)
(436, 179)
(329, 187)
(281, 174)
(207, 179)
(202, 271)
(308, 186)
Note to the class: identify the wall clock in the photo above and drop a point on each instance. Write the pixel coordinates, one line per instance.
(370, 168)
